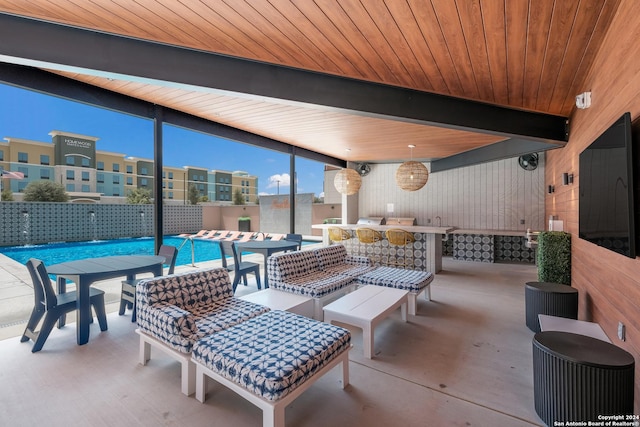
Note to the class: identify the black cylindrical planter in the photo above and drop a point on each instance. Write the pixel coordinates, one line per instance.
(578, 378)
(553, 299)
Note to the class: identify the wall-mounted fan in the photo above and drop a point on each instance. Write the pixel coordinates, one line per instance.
(363, 169)
(529, 161)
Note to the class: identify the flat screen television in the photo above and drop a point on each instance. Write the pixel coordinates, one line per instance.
(606, 197)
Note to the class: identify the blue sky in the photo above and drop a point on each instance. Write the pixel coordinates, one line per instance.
(30, 115)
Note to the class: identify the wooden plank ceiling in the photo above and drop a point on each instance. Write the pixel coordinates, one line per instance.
(531, 55)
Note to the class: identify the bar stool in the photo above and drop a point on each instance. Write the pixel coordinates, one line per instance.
(370, 236)
(403, 240)
(337, 234)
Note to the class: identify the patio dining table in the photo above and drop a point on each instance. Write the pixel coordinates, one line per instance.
(85, 272)
(266, 248)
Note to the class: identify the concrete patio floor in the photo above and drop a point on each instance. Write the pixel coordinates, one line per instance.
(464, 360)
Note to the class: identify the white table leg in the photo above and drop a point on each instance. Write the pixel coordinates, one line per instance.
(403, 311)
(345, 371)
(367, 340)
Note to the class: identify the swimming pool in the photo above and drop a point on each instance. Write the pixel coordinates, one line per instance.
(62, 252)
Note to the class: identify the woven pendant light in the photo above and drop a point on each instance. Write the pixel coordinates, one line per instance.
(347, 181)
(411, 175)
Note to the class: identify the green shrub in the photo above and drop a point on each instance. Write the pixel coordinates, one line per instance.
(554, 257)
(45, 191)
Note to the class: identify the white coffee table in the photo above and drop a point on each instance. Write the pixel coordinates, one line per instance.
(280, 300)
(365, 308)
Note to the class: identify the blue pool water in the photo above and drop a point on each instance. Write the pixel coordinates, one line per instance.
(62, 252)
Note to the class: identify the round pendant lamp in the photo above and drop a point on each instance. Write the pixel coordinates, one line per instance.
(412, 175)
(347, 181)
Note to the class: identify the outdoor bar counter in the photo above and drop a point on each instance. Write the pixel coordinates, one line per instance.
(490, 245)
(427, 247)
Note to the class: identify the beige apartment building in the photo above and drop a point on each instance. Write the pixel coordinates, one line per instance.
(91, 175)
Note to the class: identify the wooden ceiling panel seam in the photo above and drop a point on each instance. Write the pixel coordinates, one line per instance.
(309, 40)
(417, 40)
(34, 8)
(559, 32)
(106, 20)
(539, 23)
(559, 37)
(170, 25)
(494, 23)
(363, 45)
(516, 43)
(230, 19)
(65, 13)
(367, 26)
(443, 61)
(448, 19)
(393, 32)
(338, 37)
(300, 56)
(223, 42)
(583, 67)
(475, 39)
(405, 17)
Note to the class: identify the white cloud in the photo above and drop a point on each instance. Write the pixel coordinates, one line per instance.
(283, 180)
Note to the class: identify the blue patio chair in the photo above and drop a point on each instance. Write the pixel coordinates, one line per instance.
(295, 238)
(128, 293)
(240, 268)
(52, 306)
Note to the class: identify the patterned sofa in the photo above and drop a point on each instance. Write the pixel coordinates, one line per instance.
(327, 273)
(323, 274)
(334, 259)
(175, 311)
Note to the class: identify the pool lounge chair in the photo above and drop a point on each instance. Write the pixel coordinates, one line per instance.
(221, 235)
(209, 234)
(198, 234)
(246, 236)
(233, 236)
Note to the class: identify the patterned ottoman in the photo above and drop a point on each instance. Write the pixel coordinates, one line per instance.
(409, 280)
(271, 359)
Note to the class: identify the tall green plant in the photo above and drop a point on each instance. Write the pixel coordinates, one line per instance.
(554, 257)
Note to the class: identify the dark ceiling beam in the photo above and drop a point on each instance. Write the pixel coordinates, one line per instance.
(47, 83)
(44, 44)
(501, 150)
(52, 84)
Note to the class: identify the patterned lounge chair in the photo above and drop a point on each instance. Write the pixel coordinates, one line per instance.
(177, 310)
(271, 359)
